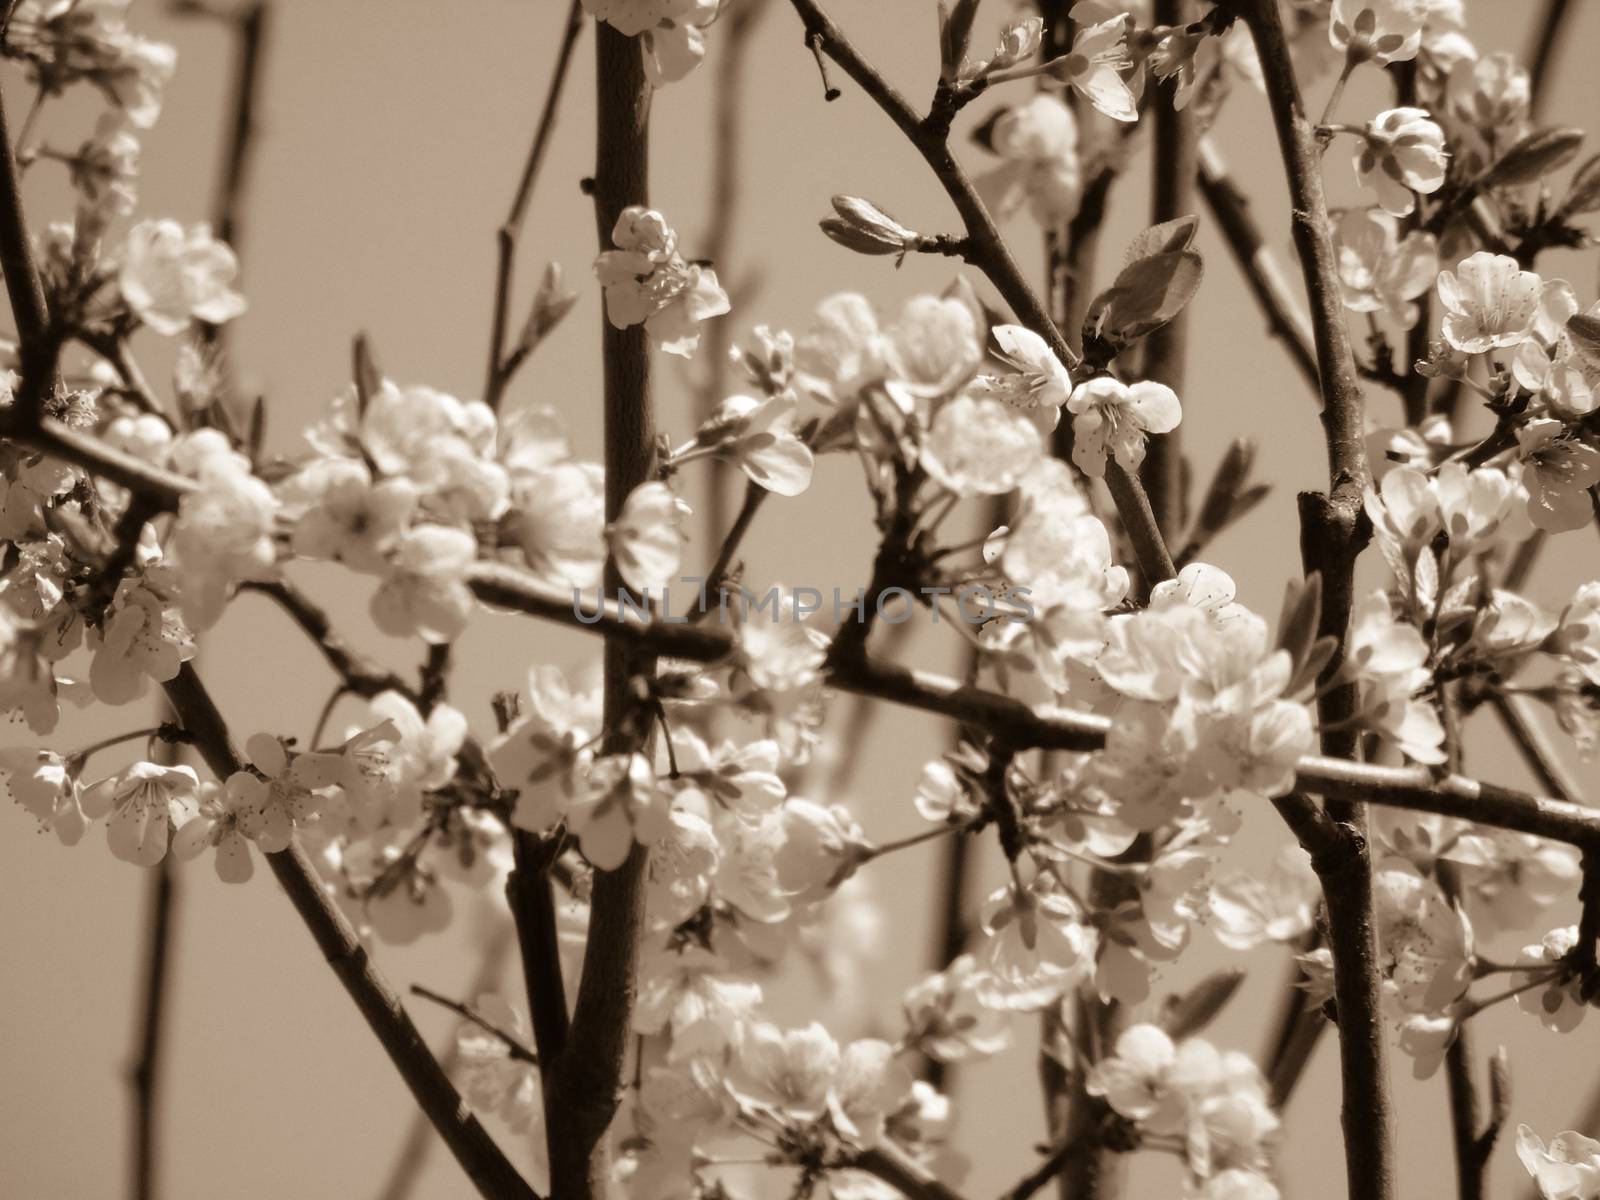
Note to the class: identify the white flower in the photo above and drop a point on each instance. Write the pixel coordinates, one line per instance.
(790, 1071)
(1492, 92)
(220, 824)
(617, 804)
(142, 637)
(670, 31)
(684, 990)
(425, 592)
(1095, 65)
(171, 277)
(1402, 151)
(223, 536)
(1382, 31)
(541, 752)
(647, 538)
(496, 1080)
(1110, 415)
(1250, 910)
(647, 282)
(1037, 946)
(1567, 1169)
(759, 435)
(422, 753)
(821, 848)
(1490, 303)
(144, 803)
(1038, 383)
(274, 803)
(868, 1086)
(40, 781)
(1379, 273)
(1424, 941)
(1134, 1080)
(1578, 636)
(349, 518)
(980, 447)
(1560, 469)
(946, 1020)
(558, 517)
(1037, 142)
(842, 351)
(1559, 1004)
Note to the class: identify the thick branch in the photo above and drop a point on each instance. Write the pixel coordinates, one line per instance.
(585, 1085)
(146, 1074)
(1332, 536)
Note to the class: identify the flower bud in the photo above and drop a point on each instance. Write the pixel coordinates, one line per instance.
(865, 228)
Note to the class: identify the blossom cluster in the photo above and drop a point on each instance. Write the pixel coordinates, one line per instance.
(711, 774)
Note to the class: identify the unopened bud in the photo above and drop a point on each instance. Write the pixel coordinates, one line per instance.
(551, 303)
(1019, 40)
(865, 228)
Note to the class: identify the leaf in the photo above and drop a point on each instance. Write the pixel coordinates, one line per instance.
(1145, 296)
(258, 429)
(1216, 509)
(1536, 155)
(955, 32)
(1583, 194)
(1302, 614)
(1584, 330)
(1186, 1015)
(1176, 234)
(1322, 652)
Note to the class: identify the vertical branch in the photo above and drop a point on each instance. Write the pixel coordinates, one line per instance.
(1541, 54)
(1174, 155)
(23, 287)
(146, 1073)
(496, 376)
(1332, 536)
(587, 1078)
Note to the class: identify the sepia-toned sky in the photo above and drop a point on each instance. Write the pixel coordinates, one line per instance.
(392, 134)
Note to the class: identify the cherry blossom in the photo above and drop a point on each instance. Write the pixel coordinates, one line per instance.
(142, 805)
(424, 592)
(617, 804)
(47, 786)
(1117, 417)
(647, 282)
(172, 277)
(219, 824)
(1379, 272)
(759, 435)
(1562, 467)
(1402, 151)
(1037, 142)
(1490, 303)
(1095, 65)
(1567, 1169)
(1383, 31)
(647, 539)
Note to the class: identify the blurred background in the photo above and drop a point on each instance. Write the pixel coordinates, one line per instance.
(391, 137)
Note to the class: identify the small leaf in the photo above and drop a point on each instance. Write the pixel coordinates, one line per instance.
(1225, 488)
(1145, 296)
(955, 33)
(258, 428)
(1176, 234)
(1584, 330)
(1186, 1015)
(1499, 1087)
(1583, 194)
(1536, 155)
(1302, 614)
(1320, 655)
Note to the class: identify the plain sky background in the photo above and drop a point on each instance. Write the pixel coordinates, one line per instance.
(391, 138)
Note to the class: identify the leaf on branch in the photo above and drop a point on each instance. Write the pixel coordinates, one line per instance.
(1145, 296)
(955, 34)
(1534, 156)
(1583, 195)
(1176, 234)
(1225, 490)
(867, 229)
(1187, 1014)
(1584, 330)
(1302, 614)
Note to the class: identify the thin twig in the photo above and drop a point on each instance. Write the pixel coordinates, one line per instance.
(1332, 535)
(467, 1012)
(1541, 55)
(406, 1172)
(1286, 315)
(146, 1074)
(497, 374)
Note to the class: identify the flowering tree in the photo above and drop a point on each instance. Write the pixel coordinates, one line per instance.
(1124, 712)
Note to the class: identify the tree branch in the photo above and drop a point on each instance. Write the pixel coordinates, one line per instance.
(480, 1158)
(1332, 535)
(583, 1089)
(146, 1073)
(1286, 316)
(499, 373)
